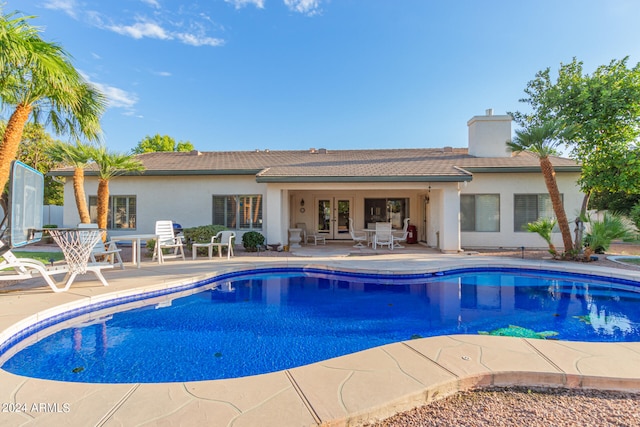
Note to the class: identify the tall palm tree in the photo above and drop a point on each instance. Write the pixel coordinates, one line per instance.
(543, 141)
(110, 165)
(78, 156)
(38, 80)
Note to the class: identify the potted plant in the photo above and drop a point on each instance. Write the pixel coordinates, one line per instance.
(252, 240)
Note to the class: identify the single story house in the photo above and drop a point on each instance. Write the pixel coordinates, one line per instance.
(480, 196)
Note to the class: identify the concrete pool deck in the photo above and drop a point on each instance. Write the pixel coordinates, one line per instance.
(347, 390)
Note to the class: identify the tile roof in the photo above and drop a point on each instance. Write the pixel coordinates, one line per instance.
(412, 164)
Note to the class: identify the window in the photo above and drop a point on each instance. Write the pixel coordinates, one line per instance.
(242, 212)
(121, 214)
(386, 210)
(480, 212)
(529, 208)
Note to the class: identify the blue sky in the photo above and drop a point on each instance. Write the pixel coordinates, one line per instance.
(295, 74)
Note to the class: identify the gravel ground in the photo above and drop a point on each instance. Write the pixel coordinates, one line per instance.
(525, 407)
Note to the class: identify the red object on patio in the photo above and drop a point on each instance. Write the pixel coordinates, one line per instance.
(412, 234)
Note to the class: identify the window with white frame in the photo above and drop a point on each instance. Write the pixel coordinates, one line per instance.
(121, 213)
(480, 212)
(238, 212)
(529, 208)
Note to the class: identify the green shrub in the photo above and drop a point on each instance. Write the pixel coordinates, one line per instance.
(544, 227)
(251, 240)
(611, 227)
(201, 234)
(151, 245)
(635, 215)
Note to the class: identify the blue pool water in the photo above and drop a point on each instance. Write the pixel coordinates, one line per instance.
(260, 323)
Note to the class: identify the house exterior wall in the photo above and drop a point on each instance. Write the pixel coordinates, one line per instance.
(507, 185)
(187, 200)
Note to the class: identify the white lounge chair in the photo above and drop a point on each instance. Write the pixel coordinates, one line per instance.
(383, 236)
(13, 268)
(358, 239)
(107, 250)
(166, 239)
(220, 240)
(400, 238)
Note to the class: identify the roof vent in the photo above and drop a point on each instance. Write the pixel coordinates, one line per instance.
(313, 150)
(447, 149)
(195, 153)
(322, 150)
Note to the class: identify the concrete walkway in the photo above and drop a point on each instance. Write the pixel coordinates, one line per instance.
(347, 390)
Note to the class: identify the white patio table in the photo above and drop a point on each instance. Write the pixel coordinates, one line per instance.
(370, 232)
(135, 244)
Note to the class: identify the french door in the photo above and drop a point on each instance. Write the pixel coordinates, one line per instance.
(332, 217)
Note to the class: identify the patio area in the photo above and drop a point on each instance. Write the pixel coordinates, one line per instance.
(347, 390)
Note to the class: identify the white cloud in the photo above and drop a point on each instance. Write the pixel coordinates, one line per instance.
(143, 27)
(140, 30)
(162, 73)
(117, 98)
(242, 3)
(152, 3)
(307, 7)
(67, 6)
(195, 40)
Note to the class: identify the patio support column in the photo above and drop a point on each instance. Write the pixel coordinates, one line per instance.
(450, 214)
(277, 215)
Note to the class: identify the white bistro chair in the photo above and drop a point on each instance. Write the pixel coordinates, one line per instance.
(357, 238)
(383, 236)
(401, 237)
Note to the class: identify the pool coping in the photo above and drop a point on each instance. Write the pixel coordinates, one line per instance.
(348, 390)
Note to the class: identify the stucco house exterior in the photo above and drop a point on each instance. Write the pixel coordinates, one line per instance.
(480, 196)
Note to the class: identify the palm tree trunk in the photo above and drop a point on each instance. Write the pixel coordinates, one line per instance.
(81, 199)
(11, 141)
(556, 201)
(103, 203)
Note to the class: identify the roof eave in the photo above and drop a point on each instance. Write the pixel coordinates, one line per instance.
(250, 172)
(421, 178)
(519, 169)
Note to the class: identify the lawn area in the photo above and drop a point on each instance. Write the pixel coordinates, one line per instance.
(630, 260)
(44, 257)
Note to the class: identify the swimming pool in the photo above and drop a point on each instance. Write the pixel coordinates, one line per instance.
(250, 323)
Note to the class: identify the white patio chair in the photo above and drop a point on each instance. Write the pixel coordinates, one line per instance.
(358, 239)
(107, 250)
(220, 240)
(308, 237)
(401, 237)
(383, 236)
(166, 239)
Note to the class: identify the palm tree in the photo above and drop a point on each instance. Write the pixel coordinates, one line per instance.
(37, 79)
(543, 140)
(110, 165)
(78, 156)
